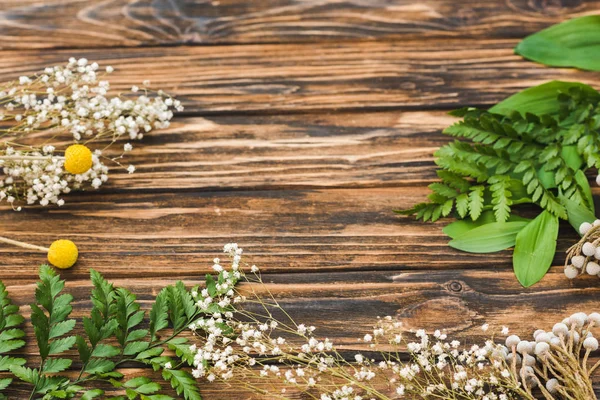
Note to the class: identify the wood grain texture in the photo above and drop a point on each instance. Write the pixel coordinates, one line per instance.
(97, 23)
(291, 151)
(307, 122)
(407, 75)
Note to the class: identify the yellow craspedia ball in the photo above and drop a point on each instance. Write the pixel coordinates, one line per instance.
(78, 159)
(63, 254)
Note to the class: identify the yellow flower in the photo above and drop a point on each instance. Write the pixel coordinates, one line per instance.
(78, 159)
(63, 254)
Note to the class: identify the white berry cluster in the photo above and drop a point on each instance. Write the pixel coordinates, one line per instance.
(557, 358)
(69, 103)
(247, 338)
(584, 257)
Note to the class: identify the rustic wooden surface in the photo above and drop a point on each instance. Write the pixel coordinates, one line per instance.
(306, 123)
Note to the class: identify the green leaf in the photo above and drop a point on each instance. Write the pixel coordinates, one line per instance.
(92, 394)
(541, 99)
(61, 345)
(159, 314)
(4, 383)
(105, 351)
(10, 345)
(459, 227)
(572, 157)
(25, 374)
(573, 43)
(136, 335)
(584, 185)
(135, 382)
(153, 352)
(577, 213)
(488, 238)
(183, 383)
(148, 388)
(54, 365)
(135, 348)
(476, 202)
(6, 362)
(99, 366)
(61, 328)
(535, 248)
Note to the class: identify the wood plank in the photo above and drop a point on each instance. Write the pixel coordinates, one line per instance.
(167, 234)
(459, 301)
(97, 23)
(417, 74)
(292, 151)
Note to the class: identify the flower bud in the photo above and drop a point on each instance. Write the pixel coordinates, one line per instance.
(512, 341)
(584, 228)
(579, 319)
(595, 318)
(578, 261)
(591, 344)
(560, 329)
(525, 347)
(592, 268)
(588, 249)
(541, 348)
(552, 385)
(571, 272)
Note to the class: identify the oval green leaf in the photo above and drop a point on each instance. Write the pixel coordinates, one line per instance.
(534, 249)
(489, 238)
(573, 43)
(541, 99)
(577, 213)
(457, 228)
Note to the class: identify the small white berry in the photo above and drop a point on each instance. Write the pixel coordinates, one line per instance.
(571, 272)
(541, 348)
(591, 344)
(560, 329)
(584, 228)
(512, 341)
(592, 268)
(596, 222)
(525, 346)
(595, 318)
(588, 249)
(552, 385)
(579, 319)
(578, 261)
(598, 180)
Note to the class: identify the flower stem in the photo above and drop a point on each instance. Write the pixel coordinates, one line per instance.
(23, 245)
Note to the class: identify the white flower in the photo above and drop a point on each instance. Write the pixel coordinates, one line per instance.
(168, 365)
(127, 147)
(131, 169)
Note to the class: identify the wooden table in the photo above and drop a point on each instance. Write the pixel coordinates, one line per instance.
(306, 124)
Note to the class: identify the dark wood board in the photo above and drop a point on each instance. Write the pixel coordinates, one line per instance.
(306, 124)
(96, 23)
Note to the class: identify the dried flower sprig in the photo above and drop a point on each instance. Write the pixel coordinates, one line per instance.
(70, 103)
(256, 344)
